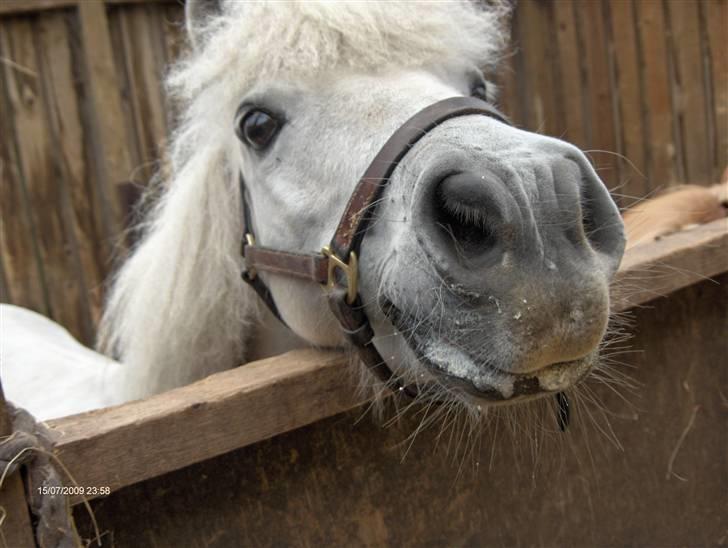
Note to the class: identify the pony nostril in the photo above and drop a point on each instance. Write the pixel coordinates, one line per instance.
(600, 219)
(589, 223)
(462, 213)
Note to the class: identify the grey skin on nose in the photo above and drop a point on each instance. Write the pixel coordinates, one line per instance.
(474, 218)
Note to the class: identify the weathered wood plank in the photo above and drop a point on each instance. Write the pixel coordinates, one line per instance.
(210, 417)
(537, 72)
(18, 237)
(716, 20)
(14, 7)
(114, 165)
(265, 398)
(630, 102)
(154, 62)
(569, 81)
(127, 95)
(173, 31)
(40, 174)
(514, 93)
(143, 59)
(661, 154)
(175, 44)
(507, 88)
(5, 296)
(659, 268)
(603, 143)
(689, 92)
(79, 197)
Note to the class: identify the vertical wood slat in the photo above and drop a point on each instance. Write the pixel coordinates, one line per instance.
(716, 23)
(537, 73)
(76, 116)
(569, 80)
(660, 161)
(602, 139)
(507, 87)
(72, 138)
(5, 296)
(174, 43)
(630, 96)
(151, 64)
(41, 175)
(140, 59)
(23, 268)
(111, 152)
(514, 95)
(127, 93)
(66, 132)
(617, 157)
(689, 94)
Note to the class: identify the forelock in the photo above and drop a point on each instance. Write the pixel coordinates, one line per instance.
(247, 42)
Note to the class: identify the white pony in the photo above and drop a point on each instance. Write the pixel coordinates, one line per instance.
(492, 251)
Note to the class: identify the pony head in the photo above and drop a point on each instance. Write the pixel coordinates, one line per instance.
(487, 267)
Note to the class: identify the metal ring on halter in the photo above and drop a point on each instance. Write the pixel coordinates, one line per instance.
(350, 270)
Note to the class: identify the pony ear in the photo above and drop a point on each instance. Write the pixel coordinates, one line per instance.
(197, 13)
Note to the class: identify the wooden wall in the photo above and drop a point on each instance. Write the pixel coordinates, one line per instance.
(636, 469)
(642, 84)
(82, 112)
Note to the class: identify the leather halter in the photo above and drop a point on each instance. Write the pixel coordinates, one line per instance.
(337, 264)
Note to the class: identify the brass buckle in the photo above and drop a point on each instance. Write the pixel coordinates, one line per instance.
(250, 241)
(351, 271)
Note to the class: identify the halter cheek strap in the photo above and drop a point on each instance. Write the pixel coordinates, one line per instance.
(336, 266)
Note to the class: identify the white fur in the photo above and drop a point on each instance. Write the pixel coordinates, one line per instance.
(344, 76)
(178, 309)
(48, 372)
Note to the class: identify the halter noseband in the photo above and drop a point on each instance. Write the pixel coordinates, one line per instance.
(336, 266)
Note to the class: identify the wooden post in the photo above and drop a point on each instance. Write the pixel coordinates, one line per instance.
(110, 139)
(16, 530)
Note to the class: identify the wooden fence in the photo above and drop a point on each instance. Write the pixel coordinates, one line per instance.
(197, 466)
(643, 84)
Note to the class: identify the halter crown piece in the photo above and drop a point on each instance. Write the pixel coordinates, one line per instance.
(336, 266)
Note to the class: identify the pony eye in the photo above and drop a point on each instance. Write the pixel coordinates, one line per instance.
(479, 90)
(257, 128)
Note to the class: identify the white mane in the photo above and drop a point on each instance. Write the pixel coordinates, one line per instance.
(178, 309)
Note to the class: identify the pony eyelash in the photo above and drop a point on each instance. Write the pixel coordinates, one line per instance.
(465, 213)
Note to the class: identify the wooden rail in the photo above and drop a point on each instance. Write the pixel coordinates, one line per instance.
(659, 268)
(123, 445)
(15, 7)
